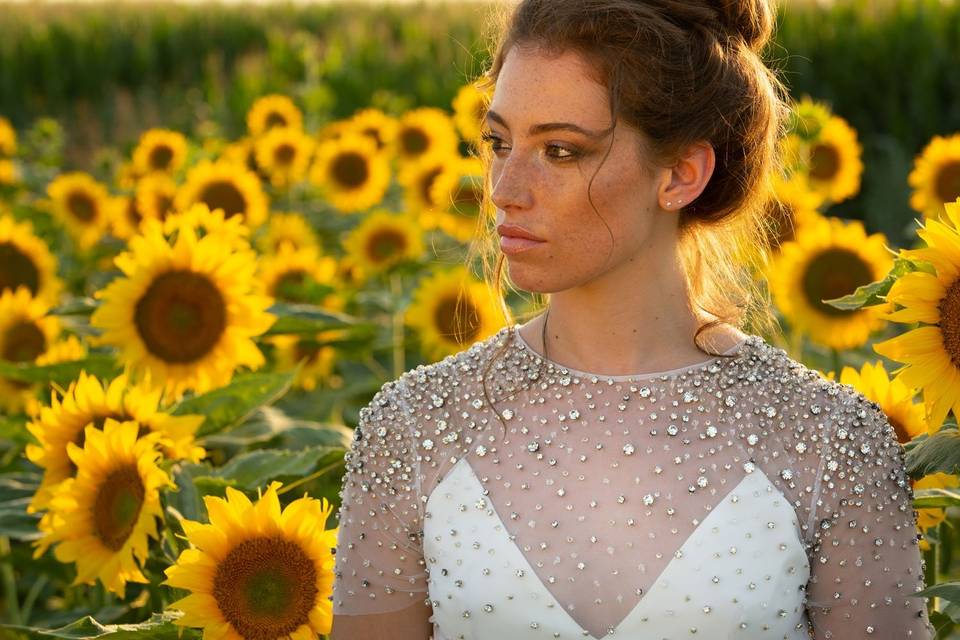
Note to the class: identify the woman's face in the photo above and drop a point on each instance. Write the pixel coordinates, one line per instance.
(539, 179)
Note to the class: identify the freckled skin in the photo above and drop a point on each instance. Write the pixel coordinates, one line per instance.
(607, 274)
(548, 195)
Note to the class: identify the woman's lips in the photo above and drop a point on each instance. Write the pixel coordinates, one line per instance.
(512, 244)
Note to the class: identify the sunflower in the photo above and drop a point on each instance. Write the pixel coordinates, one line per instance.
(829, 258)
(242, 152)
(376, 124)
(26, 260)
(204, 222)
(26, 332)
(383, 240)
(291, 228)
(469, 110)
(452, 310)
(65, 349)
(458, 192)
(417, 179)
(894, 397)
(794, 204)
(808, 118)
(284, 272)
(101, 518)
(271, 111)
(935, 177)
(228, 186)
(257, 571)
(336, 128)
(155, 196)
(159, 150)
(89, 401)
(82, 204)
(283, 153)
(833, 161)
(931, 517)
(349, 272)
(932, 351)
(9, 174)
(8, 139)
(185, 313)
(125, 178)
(319, 358)
(125, 219)
(352, 173)
(423, 132)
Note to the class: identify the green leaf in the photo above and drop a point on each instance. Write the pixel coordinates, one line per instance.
(308, 318)
(873, 293)
(939, 452)
(160, 626)
(936, 497)
(256, 468)
(63, 373)
(232, 404)
(76, 307)
(946, 590)
(188, 500)
(16, 523)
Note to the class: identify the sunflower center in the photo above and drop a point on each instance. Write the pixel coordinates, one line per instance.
(16, 268)
(457, 321)
(374, 133)
(950, 322)
(164, 204)
(784, 220)
(160, 157)
(133, 214)
(82, 206)
(948, 182)
(308, 349)
(426, 182)
(466, 199)
(80, 437)
(414, 141)
(275, 120)
(181, 316)
(284, 154)
(385, 244)
(350, 170)
(223, 194)
(23, 342)
(287, 285)
(266, 588)
(824, 162)
(903, 436)
(117, 506)
(831, 274)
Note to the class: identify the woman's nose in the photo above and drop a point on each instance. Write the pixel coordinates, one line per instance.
(511, 184)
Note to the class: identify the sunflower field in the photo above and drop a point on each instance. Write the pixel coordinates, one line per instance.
(194, 311)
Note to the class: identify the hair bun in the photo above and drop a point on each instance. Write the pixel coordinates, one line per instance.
(752, 20)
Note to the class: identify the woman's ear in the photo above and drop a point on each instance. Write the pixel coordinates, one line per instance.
(687, 179)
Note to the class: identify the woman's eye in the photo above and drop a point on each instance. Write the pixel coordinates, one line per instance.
(565, 153)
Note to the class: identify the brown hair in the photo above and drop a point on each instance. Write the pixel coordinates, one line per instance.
(679, 72)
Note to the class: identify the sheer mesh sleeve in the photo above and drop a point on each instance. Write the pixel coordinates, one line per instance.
(379, 555)
(865, 560)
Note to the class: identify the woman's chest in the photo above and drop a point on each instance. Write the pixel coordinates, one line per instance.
(526, 566)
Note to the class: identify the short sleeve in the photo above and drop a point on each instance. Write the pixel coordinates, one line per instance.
(379, 554)
(865, 561)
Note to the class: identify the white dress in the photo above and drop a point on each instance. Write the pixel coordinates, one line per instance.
(742, 497)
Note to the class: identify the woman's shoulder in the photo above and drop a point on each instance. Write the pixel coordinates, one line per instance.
(442, 383)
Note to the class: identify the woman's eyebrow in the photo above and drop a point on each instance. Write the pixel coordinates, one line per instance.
(548, 126)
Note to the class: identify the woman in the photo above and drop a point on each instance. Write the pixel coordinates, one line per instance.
(589, 472)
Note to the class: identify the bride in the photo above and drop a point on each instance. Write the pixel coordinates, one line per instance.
(595, 471)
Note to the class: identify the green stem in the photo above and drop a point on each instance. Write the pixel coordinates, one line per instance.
(396, 291)
(837, 364)
(312, 476)
(35, 588)
(9, 581)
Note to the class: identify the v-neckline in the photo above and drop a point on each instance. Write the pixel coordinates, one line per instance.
(499, 522)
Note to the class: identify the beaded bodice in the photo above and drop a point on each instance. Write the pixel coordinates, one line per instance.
(742, 496)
